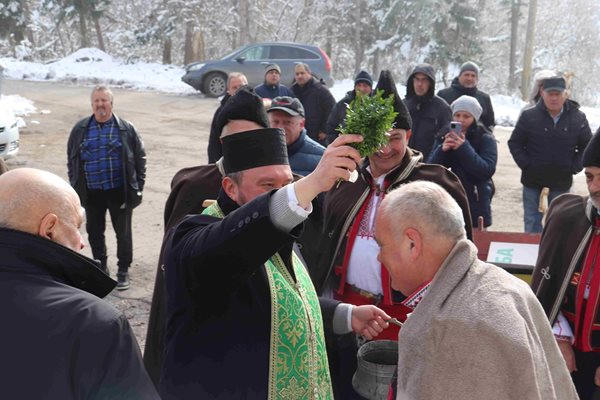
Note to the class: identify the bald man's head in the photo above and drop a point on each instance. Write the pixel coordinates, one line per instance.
(43, 204)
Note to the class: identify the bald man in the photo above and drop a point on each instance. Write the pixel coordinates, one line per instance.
(57, 333)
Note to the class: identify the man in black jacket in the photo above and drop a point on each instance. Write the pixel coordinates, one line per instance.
(466, 84)
(106, 163)
(317, 101)
(430, 114)
(59, 339)
(363, 85)
(235, 80)
(547, 144)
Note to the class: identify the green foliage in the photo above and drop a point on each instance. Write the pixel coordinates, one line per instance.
(372, 117)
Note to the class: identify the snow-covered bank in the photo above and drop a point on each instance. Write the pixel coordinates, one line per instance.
(92, 66)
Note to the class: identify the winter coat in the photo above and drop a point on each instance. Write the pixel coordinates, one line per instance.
(549, 154)
(59, 339)
(337, 115)
(271, 91)
(219, 303)
(215, 150)
(456, 90)
(570, 226)
(479, 333)
(474, 163)
(189, 188)
(317, 101)
(430, 114)
(304, 154)
(133, 158)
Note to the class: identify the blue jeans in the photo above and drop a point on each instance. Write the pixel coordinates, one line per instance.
(531, 203)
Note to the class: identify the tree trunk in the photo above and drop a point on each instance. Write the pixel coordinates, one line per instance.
(244, 22)
(188, 50)
(328, 40)
(529, 46)
(358, 49)
(375, 67)
(198, 46)
(514, 30)
(99, 35)
(83, 31)
(167, 51)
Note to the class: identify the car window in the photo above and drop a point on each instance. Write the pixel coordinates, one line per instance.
(290, 52)
(256, 53)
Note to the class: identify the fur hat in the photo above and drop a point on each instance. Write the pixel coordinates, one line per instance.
(591, 154)
(387, 84)
(244, 104)
(255, 148)
(468, 104)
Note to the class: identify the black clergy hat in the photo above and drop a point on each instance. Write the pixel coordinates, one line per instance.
(244, 104)
(591, 154)
(387, 84)
(255, 148)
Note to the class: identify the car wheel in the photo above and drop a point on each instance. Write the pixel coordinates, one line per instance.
(215, 84)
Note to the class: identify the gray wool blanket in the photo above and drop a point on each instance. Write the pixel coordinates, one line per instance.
(479, 333)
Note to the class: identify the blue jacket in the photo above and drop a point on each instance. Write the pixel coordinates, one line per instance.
(304, 154)
(271, 91)
(474, 163)
(547, 153)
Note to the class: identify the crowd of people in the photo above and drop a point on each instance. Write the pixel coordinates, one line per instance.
(289, 250)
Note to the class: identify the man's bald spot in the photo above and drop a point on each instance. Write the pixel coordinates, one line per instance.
(29, 194)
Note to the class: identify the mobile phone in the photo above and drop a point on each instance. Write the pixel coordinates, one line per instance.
(456, 127)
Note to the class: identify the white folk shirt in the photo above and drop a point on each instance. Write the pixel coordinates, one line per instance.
(364, 271)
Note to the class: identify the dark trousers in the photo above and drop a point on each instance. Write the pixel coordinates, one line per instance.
(583, 378)
(113, 200)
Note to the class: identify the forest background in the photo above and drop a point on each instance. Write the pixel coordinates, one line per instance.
(509, 39)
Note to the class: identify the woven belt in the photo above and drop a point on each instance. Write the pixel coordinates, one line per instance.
(375, 298)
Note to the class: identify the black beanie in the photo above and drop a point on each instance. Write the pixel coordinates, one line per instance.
(255, 148)
(244, 104)
(591, 154)
(387, 84)
(363, 76)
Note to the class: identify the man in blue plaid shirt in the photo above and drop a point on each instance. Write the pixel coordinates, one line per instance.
(107, 168)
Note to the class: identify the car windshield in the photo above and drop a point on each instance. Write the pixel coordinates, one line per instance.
(229, 54)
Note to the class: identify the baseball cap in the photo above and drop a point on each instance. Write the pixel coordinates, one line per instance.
(556, 83)
(288, 104)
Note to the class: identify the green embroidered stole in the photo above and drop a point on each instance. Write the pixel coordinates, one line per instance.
(298, 366)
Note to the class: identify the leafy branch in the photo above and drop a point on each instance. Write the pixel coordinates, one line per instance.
(372, 117)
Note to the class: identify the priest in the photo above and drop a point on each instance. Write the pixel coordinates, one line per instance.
(243, 318)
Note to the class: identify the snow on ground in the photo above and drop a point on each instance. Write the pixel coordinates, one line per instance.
(93, 66)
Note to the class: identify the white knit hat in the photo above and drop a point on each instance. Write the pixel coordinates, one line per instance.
(468, 104)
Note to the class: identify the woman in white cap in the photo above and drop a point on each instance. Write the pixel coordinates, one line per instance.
(471, 152)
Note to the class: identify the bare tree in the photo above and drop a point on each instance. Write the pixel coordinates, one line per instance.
(529, 46)
(244, 22)
(514, 30)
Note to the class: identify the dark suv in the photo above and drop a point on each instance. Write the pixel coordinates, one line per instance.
(210, 77)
